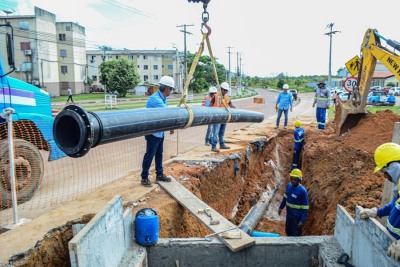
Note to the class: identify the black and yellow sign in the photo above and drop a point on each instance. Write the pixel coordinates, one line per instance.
(353, 65)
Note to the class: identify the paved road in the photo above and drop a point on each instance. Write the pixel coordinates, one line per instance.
(68, 178)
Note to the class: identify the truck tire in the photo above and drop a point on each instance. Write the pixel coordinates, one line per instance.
(29, 169)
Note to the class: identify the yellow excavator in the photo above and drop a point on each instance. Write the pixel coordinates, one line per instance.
(349, 113)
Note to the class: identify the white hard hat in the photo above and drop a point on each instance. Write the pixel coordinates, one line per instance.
(168, 81)
(285, 86)
(225, 86)
(213, 89)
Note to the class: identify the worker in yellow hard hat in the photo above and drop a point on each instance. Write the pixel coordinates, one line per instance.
(298, 143)
(296, 202)
(387, 160)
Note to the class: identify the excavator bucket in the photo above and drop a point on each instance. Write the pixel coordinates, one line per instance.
(347, 115)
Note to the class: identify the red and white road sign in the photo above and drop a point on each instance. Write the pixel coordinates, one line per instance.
(350, 83)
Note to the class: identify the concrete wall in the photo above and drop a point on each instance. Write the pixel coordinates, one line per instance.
(283, 251)
(365, 241)
(102, 241)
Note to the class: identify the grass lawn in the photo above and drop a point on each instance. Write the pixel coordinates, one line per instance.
(92, 96)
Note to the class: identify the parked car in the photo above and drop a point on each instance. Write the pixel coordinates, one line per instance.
(396, 90)
(294, 93)
(344, 96)
(381, 98)
(375, 88)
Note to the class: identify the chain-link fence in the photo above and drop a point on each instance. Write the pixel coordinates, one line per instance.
(42, 185)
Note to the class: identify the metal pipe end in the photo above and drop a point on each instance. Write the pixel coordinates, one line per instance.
(73, 131)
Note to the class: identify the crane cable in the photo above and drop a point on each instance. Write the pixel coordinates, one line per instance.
(200, 51)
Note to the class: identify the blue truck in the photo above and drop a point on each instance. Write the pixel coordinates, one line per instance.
(32, 130)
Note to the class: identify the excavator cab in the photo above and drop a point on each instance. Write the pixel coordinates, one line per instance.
(349, 113)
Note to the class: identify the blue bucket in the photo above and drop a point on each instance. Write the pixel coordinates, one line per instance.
(146, 227)
(263, 234)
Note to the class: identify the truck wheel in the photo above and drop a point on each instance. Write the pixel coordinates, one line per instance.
(29, 169)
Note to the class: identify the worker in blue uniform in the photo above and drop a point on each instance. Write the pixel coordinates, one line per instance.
(296, 202)
(387, 160)
(298, 144)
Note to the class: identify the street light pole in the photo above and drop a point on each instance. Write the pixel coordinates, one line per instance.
(229, 72)
(185, 54)
(330, 33)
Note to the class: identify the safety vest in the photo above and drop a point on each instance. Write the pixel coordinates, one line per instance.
(219, 103)
(206, 101)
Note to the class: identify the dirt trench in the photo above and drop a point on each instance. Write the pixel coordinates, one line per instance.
(337, 170)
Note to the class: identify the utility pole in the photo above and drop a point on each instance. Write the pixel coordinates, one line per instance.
(237, 69)
(229, 72)
(240, 71)
(177, 72)
(184, 51)
(330, 33)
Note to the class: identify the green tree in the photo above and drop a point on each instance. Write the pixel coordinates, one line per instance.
(203, 76)
(280, 83)
(119, 75)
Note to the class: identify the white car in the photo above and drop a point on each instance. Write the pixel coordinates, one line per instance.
(344, 96)
(394, 90)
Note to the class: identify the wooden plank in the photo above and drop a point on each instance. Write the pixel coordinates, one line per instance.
(188, 200)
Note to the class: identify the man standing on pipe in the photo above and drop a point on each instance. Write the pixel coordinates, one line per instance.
(219, 129)
(155, 142)
(296, 202)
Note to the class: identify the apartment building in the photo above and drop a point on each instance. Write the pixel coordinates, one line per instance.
(48, 54)
(151, 65)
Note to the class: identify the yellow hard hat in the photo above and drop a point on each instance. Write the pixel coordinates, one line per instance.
(297, 124)
(386, 153)
(296, 173)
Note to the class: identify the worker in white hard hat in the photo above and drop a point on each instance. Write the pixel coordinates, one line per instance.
(155, 142)
(282, 105)
(219, 129)
(322, 99)
(207, 102)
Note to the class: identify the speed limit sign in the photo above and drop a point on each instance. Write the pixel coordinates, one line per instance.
(350, 83)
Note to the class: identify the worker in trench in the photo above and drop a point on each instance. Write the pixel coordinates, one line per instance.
(296, 202)
(298, 144)
(387, 160)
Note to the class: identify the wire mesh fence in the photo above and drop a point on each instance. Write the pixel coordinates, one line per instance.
(42, 184)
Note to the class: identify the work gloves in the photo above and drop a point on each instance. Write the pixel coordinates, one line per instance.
(368, 213)
(394, 250)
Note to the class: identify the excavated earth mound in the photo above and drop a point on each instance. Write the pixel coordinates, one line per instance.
(337, 170)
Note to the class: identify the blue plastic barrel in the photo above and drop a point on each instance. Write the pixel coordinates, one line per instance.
(146, 227)
(263, 234)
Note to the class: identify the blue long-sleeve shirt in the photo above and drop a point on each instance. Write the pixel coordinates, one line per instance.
(296, 200)
(392, 210)
(284, 101)
(157, 100)
(298, 138)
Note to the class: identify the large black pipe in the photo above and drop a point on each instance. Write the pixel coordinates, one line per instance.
(76, 130)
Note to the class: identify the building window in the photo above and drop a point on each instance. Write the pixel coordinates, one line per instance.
(130, 57)
(63, 53)
(170, 67)
(138, 66)
(64, 69)
(94, 77)
(61, 37)
(155, 77)
(145, 78)
(25, 46)
(23, 25)
(68, 28)
(155, 67)
(116, 57)
(145, 57)
(146, 67)
(93, 57)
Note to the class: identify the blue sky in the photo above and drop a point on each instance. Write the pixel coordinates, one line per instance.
(273, 37)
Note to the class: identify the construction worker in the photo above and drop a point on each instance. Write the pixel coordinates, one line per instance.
(387, 160)
(282, 105)
(155, 142)
(296, 202)
(207, 102)
(322, 100)
(298, 144)
(219, 129)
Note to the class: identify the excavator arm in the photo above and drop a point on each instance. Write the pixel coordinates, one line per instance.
(349, 113)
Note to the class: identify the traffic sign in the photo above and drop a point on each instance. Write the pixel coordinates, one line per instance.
(353, 65)
(350, 83)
